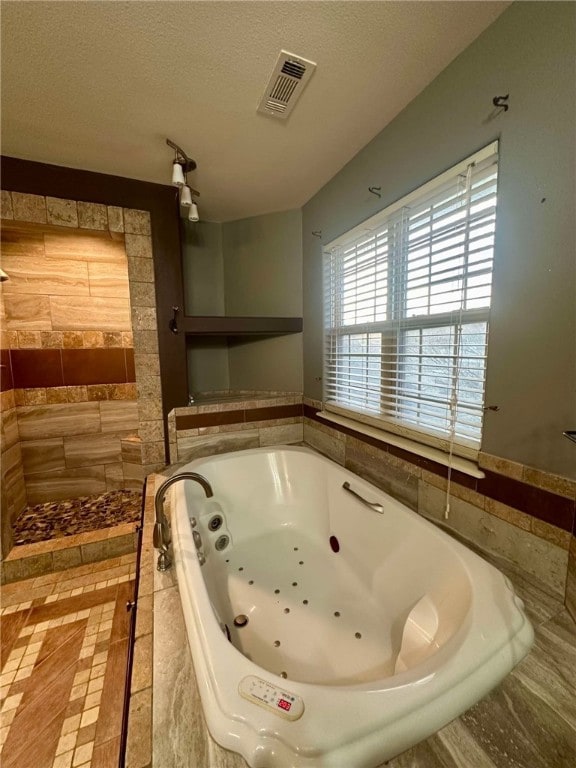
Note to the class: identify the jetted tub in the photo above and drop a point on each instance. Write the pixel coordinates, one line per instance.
(326, 633)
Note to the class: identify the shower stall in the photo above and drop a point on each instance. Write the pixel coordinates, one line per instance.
(73, 447)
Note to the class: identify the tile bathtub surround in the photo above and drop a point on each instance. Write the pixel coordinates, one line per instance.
(528, 721)
(237, 422)
(64, 659)
(516, 515)
(139, 728)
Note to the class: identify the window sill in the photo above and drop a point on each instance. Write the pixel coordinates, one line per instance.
(466, 466)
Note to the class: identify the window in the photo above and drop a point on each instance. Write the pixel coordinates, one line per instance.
(407, 297)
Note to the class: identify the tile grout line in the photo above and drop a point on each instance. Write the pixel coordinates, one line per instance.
(88, 715)
(43, 693)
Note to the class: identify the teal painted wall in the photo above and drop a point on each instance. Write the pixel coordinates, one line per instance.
(263, 265)
(203, 268)
(203, 272)
(263, 278)
(529, 52)
(250, 267)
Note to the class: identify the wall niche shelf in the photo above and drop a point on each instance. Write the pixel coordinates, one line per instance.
(218, 325)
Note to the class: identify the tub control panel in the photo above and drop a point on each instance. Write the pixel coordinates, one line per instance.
(272, 698)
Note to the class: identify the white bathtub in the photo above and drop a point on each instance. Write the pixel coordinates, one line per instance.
(382, 643)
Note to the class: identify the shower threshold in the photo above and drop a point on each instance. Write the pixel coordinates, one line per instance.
(65, 535)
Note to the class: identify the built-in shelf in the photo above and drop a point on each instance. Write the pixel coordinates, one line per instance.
(239, 326)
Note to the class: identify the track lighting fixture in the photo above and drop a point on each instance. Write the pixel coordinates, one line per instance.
(177, 174)
(185, 196)
(193, 213)
(181, 158)
(181, 166)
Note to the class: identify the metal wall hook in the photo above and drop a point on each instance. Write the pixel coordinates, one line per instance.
(491, 408)
(173, 324)
(317, 233)
(375, 191)
(500, 102)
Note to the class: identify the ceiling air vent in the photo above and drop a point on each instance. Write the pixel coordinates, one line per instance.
(288, 79)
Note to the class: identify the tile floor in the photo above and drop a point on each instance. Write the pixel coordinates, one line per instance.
(73, 516)
(64, 652)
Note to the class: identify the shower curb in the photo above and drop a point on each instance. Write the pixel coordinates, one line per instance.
(43, 557)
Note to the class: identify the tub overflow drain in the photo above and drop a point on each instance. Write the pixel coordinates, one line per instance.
(241, 620)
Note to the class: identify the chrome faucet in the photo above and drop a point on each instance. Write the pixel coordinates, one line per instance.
(162, 536)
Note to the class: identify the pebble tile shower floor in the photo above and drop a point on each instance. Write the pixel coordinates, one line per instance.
(86, 513)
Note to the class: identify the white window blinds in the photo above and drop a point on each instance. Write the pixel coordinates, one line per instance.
(407, 296)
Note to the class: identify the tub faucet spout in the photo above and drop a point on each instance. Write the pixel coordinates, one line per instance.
(162, 536)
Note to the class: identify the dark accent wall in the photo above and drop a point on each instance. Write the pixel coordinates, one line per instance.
(70, 367)
(69, 183)
(218, 418)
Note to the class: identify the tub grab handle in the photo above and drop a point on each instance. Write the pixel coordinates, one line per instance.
(373, 505)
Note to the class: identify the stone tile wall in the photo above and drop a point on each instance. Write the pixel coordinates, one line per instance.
(247, 421)
(517, 512)
(53, 555)
(139, 732)
(79, 341)
(13, 488)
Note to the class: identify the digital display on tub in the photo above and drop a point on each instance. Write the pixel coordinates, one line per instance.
(265, 694)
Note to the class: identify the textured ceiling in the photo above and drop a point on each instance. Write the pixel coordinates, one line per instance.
(100, 85)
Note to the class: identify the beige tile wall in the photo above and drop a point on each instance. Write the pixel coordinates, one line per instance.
(190, 444)
(13, 488)
(80, 276)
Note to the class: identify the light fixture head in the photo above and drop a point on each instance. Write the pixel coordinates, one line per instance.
(185, 196)
(178, 174)
(193, 213)
(181, 166)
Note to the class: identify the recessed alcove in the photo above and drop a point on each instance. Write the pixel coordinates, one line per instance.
(243, 303)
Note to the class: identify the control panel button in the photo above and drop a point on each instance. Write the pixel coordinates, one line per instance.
(265, 694)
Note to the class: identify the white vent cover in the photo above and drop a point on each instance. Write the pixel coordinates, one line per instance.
(286, 83)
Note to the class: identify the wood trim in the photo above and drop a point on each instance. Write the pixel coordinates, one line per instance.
(240, 326)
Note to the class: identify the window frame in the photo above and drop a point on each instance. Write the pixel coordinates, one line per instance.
(387, 418)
